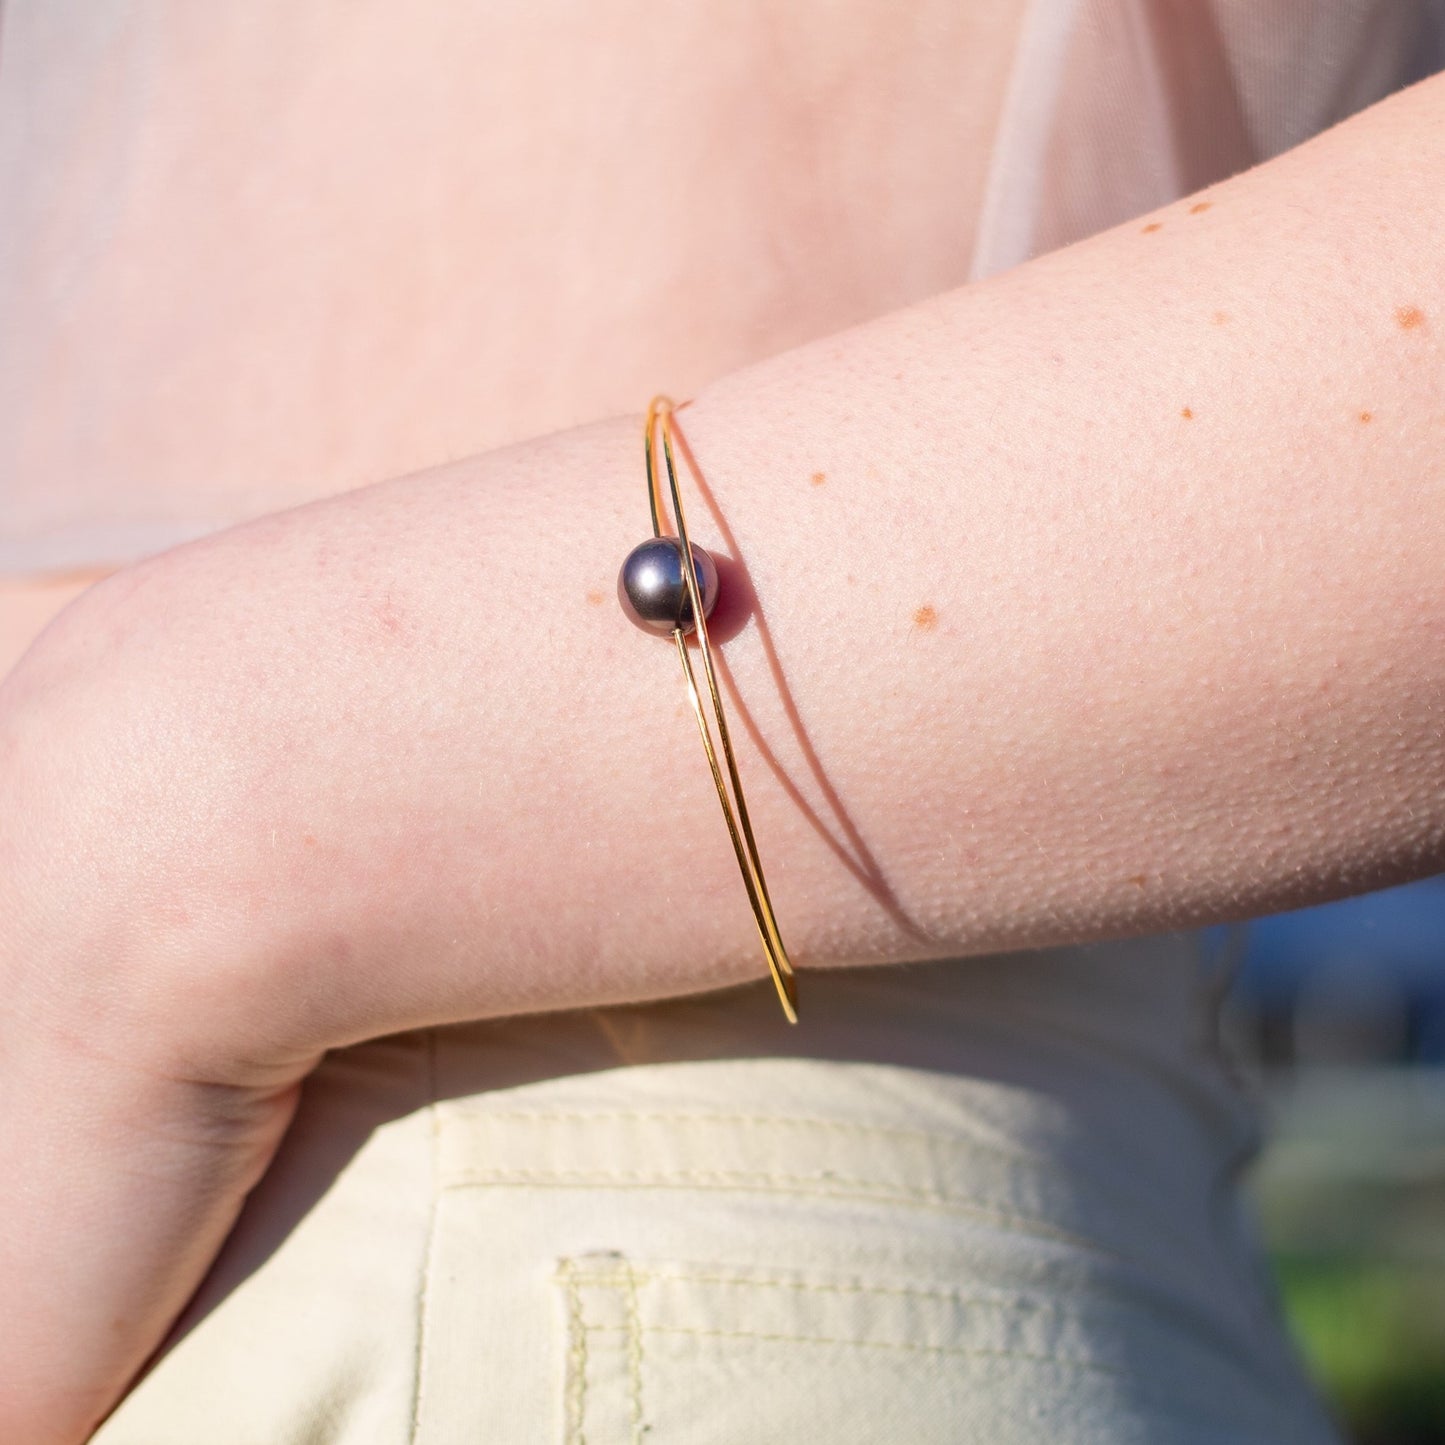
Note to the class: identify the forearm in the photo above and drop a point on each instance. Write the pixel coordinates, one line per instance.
(1110, 612)
(1097, 606)
(1132, 561)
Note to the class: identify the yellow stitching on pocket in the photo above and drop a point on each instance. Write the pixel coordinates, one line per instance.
(575, 1389)
(905, 1345)
(634, 1354)
(1004, 1300)
(602, 1301)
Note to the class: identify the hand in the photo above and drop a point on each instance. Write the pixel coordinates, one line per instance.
(126, 1162)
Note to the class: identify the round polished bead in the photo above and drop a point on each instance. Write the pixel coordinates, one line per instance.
(652, 586)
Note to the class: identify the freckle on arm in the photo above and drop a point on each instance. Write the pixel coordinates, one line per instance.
(1409, 317)
(1152, 226)
(925, 617)
(388, 614)
(595, 598)
(818, 478)
(1187, 413)
(1199, 206)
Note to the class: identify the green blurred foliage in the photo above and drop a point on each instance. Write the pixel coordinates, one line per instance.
(1373, 1333)
(1350, 1197)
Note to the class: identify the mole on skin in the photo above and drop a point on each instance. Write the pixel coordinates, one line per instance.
(925, 617)
(819, 478)
(1366, 416)
(1409, 317)
(1198, 206)
(1152, 226)
(595, 598)
(1186, 413)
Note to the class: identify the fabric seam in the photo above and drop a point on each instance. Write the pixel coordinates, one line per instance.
(798, 1186)
(908, 1346)
(423, 1300)
(800, 1121)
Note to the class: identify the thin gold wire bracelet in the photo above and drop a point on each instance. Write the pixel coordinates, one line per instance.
(668, 586)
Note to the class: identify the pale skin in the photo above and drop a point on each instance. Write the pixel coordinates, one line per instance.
(1108, 594)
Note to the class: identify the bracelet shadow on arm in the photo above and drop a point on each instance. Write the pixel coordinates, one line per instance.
(738, 603)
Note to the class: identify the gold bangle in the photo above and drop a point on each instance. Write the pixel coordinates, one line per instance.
(669, 586)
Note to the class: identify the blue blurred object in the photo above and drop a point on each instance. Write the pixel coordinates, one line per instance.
(1361, 980)
(1340, 1011)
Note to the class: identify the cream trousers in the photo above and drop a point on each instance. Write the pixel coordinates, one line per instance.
(987, 1201)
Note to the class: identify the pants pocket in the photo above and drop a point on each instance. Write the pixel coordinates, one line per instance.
(673, 1353)
(666, 1255)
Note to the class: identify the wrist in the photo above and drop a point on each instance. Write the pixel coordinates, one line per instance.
(128, 1153)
